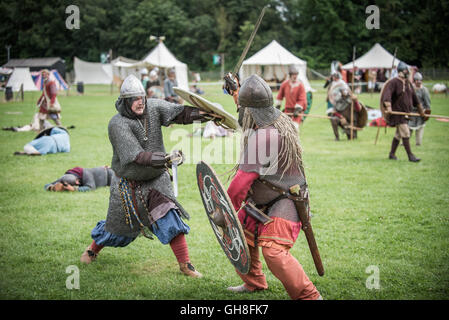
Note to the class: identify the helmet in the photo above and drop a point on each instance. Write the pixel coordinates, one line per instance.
(143, 71)
(255, 93)
(402, 66)
(292, 70)
(132, 87)
(417, 76)
(69, 179)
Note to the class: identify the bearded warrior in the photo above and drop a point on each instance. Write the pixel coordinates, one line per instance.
(271, 161)
(142, 200)
(398, 95)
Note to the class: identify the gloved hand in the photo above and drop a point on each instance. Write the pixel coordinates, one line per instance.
(232, 83)
(343, 122)
(176, 156)
(158, 159)
(298, 110)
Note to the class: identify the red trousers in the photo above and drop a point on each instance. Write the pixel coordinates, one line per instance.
(284, 267)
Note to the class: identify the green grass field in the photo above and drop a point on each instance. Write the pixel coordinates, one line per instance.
(368, 211)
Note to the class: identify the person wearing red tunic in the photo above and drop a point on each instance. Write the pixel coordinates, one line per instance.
(49, 107)
(271, 154)
(295, 96)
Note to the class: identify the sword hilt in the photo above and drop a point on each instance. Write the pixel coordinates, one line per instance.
(232, 86)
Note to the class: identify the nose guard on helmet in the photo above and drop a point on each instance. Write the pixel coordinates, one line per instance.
(256, 95)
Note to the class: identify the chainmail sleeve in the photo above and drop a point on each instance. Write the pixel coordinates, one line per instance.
(168, 111)
(124, 143)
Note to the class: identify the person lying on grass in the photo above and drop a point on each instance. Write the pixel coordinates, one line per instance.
(82, 179)
(50, 140)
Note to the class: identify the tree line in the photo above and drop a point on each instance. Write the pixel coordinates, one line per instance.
(317, 31)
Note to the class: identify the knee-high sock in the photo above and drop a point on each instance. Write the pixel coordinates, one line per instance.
(96, 247)
(394, 146)
(406, 143)
(179, 246)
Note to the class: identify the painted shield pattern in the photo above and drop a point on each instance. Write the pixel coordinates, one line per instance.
(222, 217)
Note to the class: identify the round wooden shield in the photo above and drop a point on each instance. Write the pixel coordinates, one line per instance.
(227, 227)
(228, 122)
(334, 91)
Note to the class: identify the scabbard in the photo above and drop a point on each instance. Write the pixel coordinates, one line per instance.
(308, 231)
(301, 200)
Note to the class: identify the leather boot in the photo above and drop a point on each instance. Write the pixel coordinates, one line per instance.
(88, 255)
(189, 270)
(394, 146)
(334, 123)
(411, 156)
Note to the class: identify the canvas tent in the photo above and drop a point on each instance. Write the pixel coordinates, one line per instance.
(21, 76)
(54, 76)
(37, 64)
(159, 57)
(92, 72)
(376, 58)
(123, 67)
(272, 62)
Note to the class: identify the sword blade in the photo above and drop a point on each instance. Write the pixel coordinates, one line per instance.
(174, 168)
(249, 42)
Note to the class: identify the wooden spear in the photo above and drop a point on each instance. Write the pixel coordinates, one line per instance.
(320, 117)
(417, 114)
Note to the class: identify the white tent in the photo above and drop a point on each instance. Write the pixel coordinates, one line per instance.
(21, 76)
(376, 58)
(159, 57)
(275, 60)
(92, 72)
(123, 67)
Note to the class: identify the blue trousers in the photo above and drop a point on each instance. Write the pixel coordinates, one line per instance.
(168, 227)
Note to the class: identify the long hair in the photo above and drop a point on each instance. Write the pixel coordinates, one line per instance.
(290, 153)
